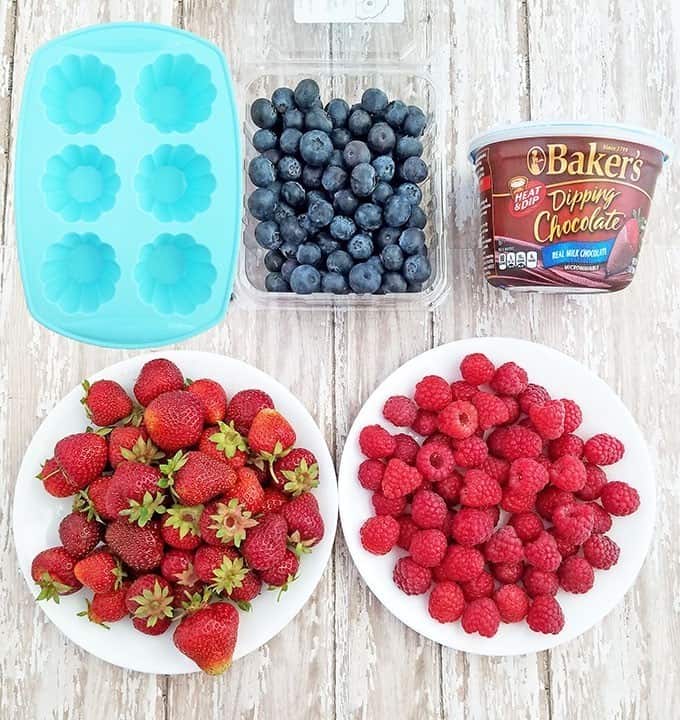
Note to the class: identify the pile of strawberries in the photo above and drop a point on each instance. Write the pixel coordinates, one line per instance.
(499, 505)
(199, 502)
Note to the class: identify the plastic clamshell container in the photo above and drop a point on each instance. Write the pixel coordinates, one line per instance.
(403, 69)
(128, 185)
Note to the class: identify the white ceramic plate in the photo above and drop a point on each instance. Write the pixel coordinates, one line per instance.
(602, 412)
(37, 515)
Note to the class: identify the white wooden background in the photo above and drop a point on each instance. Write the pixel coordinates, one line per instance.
(345, 656)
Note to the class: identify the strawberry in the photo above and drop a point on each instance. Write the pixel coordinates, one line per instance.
(52, 570)
(189, 597)
(105, 402)
(134, 491)
(225, 444)
(265, 545)
(273, 500)
(177, 567)
(174, 420)
(225, 523)
(305, 524)
(155, 378)
(81, 457)
(78, 534)
(283, 573)
(212, 396)
(250, 588)
(100, 571)
(196, 478)
(107, 607)
(248, 490)
(297, 472)
(92, 500)
(270, 435)
(141, 548)
(132, 443)
(208, 636)
(244, 406)
(149, 600)
(179, 528)
(54, 481)
(222, 568)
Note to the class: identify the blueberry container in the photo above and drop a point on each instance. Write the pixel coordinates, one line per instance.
(364, 54)
(128, 185)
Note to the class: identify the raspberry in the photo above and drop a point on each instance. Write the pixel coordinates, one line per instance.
(566, 444)
(458, 419)
(545, 615)
(542, 553)
(494, 514)
(564, 547)
(427, 547)
(507, 573)
(602, 520)
(462, 564)
(477, 369)
(440, 439)
(472, 527)
(406, 448)
(573, 522)
(495, 440)
(619, 498)
(448, 521)
(527, 477)
(491, 410)
(425, 423)
(400, 410)
(388, 506)
(410, 578)
(512, 603)
(543, 460)
(504, 546)
(549, 498)
(435, 462)
(433, 393)
(513, 408)
(375, 442)
(497, 468)
(596, 479)
(515, 502)
(539, 582)
(480, 490)
(471, 452)
(518, 441)
(462, 390)
(531, 395)
(446, 603)
(482, 586)
(481, 616)
(568, 473)
(603, 449)
(371, 474)
(548, 419)
(428, 510)
(528, 525)
(407, 528)
(509, 379)
(379, 534)
(576, 575)
(601, 552)
(449, 488)
(572, 416)
(400, 479)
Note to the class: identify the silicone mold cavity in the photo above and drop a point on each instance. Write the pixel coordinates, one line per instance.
(175, 274)
(80, 183)
(174, 183)
(80, 94)
(175, 93)
(79, 273)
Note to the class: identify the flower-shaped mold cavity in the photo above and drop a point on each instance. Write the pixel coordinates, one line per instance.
(174, 183)
(175, 93)
(80, 183)
(175, 274)
(80, 94)
(79, 273)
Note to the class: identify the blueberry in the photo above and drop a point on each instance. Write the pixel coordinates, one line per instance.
(413, 170)
(392, 257)
(334, 283)
(383, 190)
(317, 119)
(306, 94)
(293, 193)
(356, 106)
(417, 268)
(261, 171)
(316, 148)
(264, 140)
(305, 279)
(287, 268)
(273, 155)
(397, 211)
(314, 196)
(289, 250)
(418, 218)
(274, 282)
(414, 122)
(359, 123)
(339, 261)
(376, 263)
(275, 187)
(283, 211)
(336, 159)
(263, 113)
(393, 282)
(289, 168)
(333, 178)
(289, 142)
(381, 138)
(338, 111)
(355, 153)
(340, 137)
(363, 180)
(311, 177)
(262, 203)
(374, 101)
(412, 241)
(326, 243)
(395, 113)
(291, 231)
(343, 228)
(283, 99)
(293, 118)
(346, 202)
(268, 236)
(411, 192)
(273, 260)
(387, 236)
(320, 213)
(414, 287)
(360, 247)
(308, 253)
(368, 216)
(384, 168)
(408, 146)
(364, 278)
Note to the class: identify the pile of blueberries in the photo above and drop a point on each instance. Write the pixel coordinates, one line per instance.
(337, 193)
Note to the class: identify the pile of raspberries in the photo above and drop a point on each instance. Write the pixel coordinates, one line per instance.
(499, 505)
